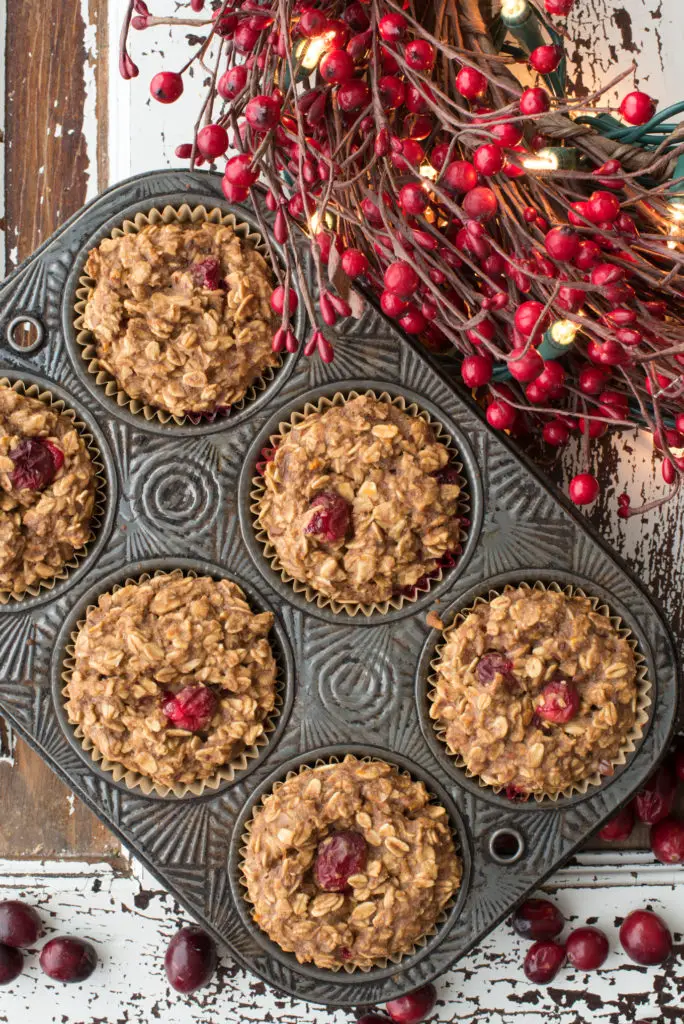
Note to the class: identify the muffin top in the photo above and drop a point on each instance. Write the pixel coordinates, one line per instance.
(47, 491)
(535, 691)
(360, 501)
(349, 864)
(181, 315)
(173, 677)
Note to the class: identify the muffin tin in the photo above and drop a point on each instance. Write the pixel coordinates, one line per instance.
(178, 496)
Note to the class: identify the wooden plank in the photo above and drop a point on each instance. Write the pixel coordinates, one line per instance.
(51, 169)
(130, 920)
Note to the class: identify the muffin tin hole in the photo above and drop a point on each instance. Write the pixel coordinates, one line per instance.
(506, 846)
(25, 333)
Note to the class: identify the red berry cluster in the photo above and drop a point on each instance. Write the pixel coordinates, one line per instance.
(63, 958)
(653, 806)
(644, 937)
(563, 300)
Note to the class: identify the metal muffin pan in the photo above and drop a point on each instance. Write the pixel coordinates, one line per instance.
(179, 496)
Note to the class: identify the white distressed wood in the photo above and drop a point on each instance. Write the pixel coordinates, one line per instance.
(130, 921)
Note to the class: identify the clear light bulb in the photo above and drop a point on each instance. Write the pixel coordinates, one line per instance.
(513, 8)
(563, 332)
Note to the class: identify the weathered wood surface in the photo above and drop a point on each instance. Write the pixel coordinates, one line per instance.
(130, 921)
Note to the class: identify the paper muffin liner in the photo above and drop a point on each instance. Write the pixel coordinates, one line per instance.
(99, 506)
(411, 594)
(381, 962)
(643, 684)
(142, 783)
(86, 341)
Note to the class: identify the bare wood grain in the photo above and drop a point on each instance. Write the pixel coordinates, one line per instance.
(47, 170)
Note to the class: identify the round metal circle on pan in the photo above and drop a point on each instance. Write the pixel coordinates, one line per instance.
(341, 988)
(428, 655)
(285, 590)
(225, 423)
(278, 639)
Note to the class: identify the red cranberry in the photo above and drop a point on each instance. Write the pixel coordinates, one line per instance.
(488, 159)
(655, 800)
(527, 317)
(637, 108)
(546, 59)
(645, 938)
(191, 709)
(212, 141)
(562, 244)
(235, 193)
(413, 321)
(354, 263)
(190, 959)
(584, 489)
(232, 82)
(392, 27)
(36, 463)
(491, 665)
(538, 919)
(480, 203)
(414, 1007)
(20, 924)
(534, 101)
(278, 300)
(11, 964)
(184, 151)
(207, 273)
(413, 199)
(419, 54)
(312, 23)
(560, 702)
(401, 278)
(392, 92)
(239, 171)
(508, 133)
(331, 517)
(559, 7)
(476, 371)
(68, 959)
(471, 83)
(336, 67)
(166, 86)
(525, 366)
(620, 826)
(500, 415)
(667, 841)
(262, 113)
(226, 23)
(353, 95)
(338, 857)
(587, 948)
(555, 432)
(392, 304)
(603, 207)
(543, 962)
(591, 380)
(460, 176)
(356, 17)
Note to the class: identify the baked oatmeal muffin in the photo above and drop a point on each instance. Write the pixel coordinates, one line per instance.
(349, 864)
(360, 501)
(47, 491)
(181, 315)
(535, 691)
(172, 677)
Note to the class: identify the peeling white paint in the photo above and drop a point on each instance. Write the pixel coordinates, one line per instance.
(130, 921)
(90, 133)
(3, 55)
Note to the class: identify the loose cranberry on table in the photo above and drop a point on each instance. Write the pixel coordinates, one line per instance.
(656, 799)
(68, 959)
(645, 938)
(190, 959)
(11, 964)
(191, 709)
(587, 948)
(543, 962)
(667, 841)
(619, 827)
(20, 925)
(414, 1007)
(538, 919)
(338, 857)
